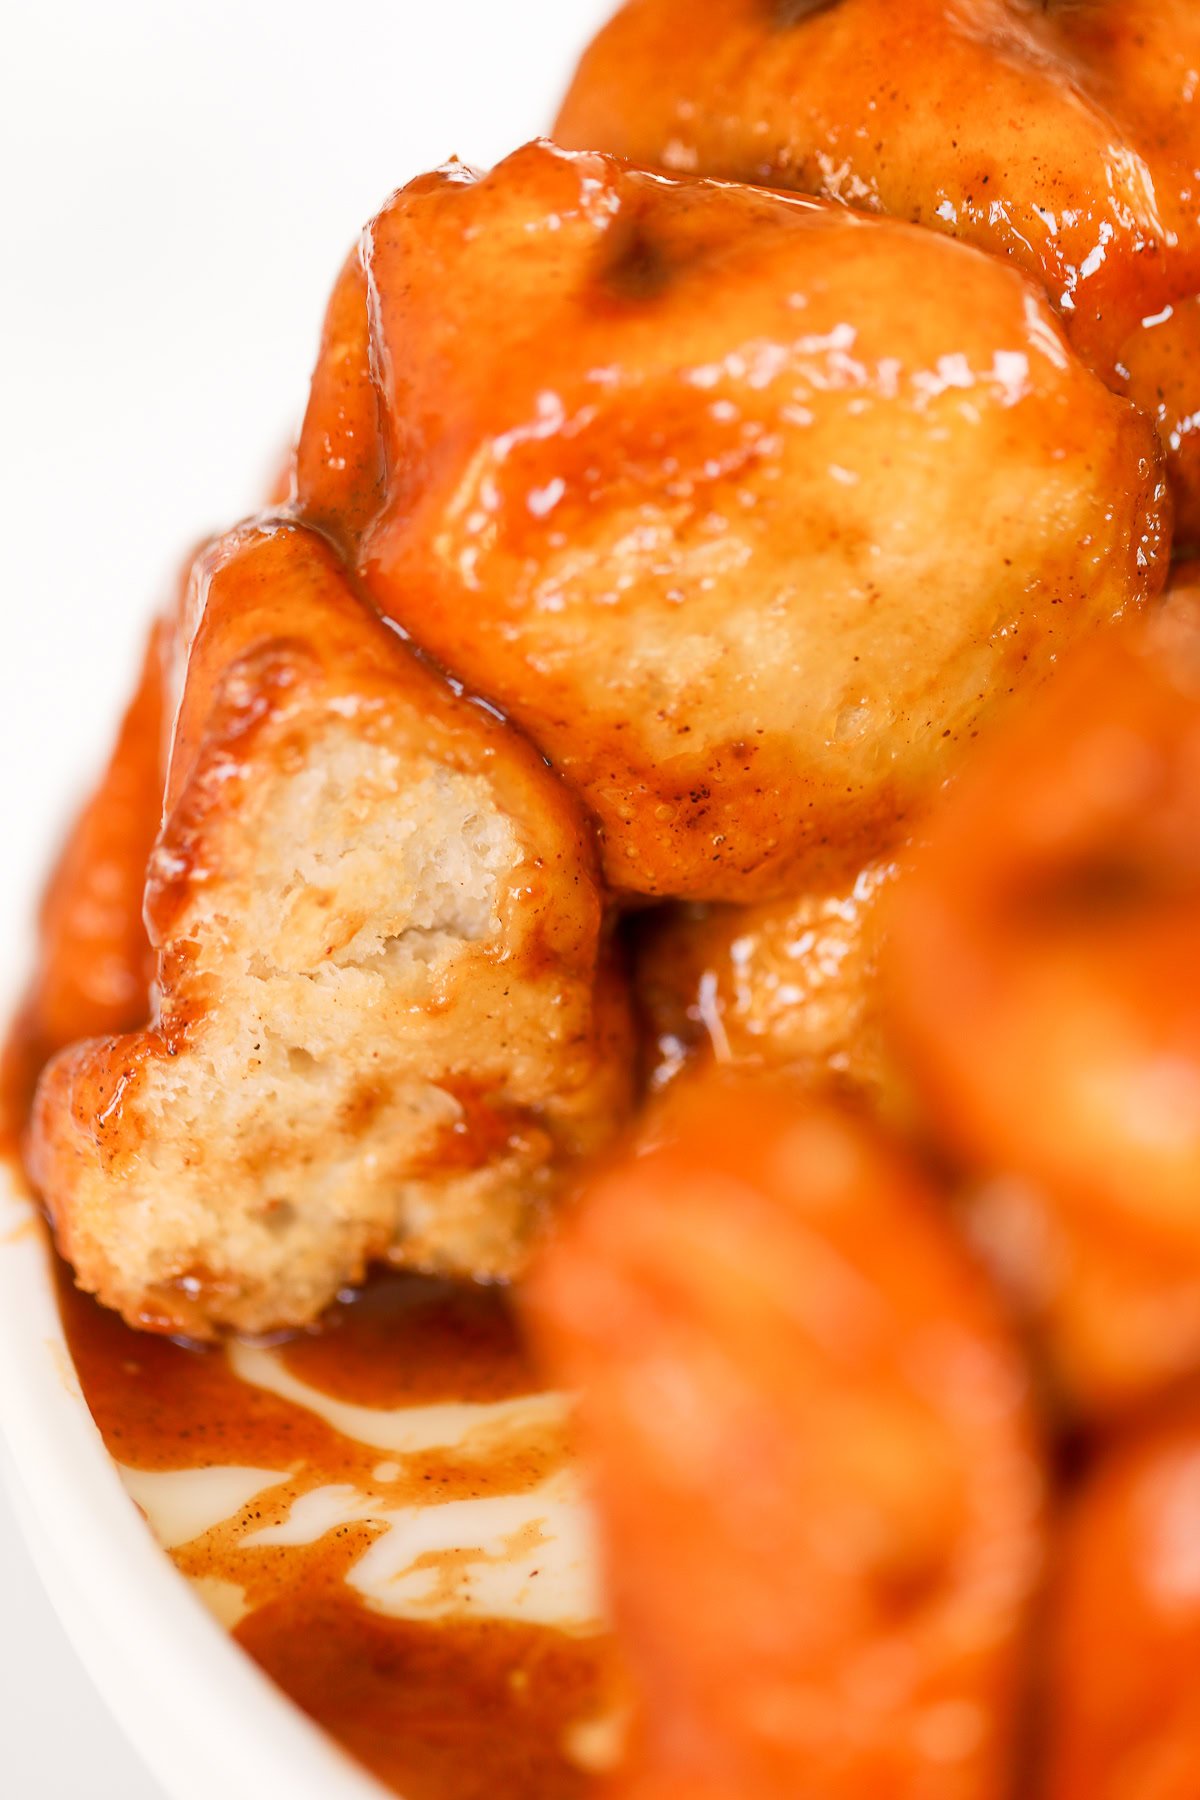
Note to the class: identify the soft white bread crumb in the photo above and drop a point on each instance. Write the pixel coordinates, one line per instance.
(379, 1035)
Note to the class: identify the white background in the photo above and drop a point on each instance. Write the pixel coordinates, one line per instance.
(180, 182)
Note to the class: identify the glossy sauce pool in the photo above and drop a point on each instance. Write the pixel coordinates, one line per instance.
(383, 1512)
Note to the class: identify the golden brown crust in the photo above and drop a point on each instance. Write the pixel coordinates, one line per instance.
(379, 939)
(1044, 978)
(749, 512)
(790, 984)
(808, 1438)
(1063, 137)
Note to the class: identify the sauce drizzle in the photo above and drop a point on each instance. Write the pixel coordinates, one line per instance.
(423, 1677)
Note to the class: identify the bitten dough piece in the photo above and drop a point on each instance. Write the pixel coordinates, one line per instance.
(384, 1023)
(787, 984)
(1043, 978)
(1122, 1673)
(1061, 135)
(808, 1438)
(749, 511)
(94, 962)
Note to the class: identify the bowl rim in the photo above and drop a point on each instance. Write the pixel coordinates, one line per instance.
(202, 1715)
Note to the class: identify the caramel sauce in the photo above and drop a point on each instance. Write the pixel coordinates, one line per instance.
(470, 1710)
(409, 1340)
(442, 1709)
(485, 1129)
(160, 1405)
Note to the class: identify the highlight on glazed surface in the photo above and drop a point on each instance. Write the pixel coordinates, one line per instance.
(617, 1051)
(751, 513)
(789, 984)
(1060, 135)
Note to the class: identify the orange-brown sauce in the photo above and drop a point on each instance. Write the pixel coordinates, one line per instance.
(434, 1711)
(404, 1341)
(437, 1711)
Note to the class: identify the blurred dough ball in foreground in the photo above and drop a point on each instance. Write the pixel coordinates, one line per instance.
(1122, 1674)
(1044, 980)
(808, 1436)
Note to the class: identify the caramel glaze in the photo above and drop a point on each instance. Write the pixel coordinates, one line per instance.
(450, 1709)
(1080, 168)
(435, 1712)
(621, 509)
(94, 964)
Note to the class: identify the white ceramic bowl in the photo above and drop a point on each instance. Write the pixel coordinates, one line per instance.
(203, 1717)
